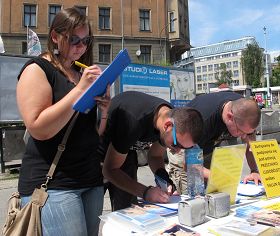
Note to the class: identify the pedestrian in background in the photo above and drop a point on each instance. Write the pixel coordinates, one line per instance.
(47, 88)
(227, 116)
(135, 116)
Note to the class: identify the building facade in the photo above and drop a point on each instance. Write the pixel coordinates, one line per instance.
(208, 59)
(152, 31)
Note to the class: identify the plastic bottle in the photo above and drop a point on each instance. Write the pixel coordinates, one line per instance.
(195, 179)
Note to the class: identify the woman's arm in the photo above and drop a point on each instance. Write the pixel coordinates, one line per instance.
(34, 98)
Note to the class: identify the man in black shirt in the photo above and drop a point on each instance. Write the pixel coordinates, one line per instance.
(135, 116)
(226, 114)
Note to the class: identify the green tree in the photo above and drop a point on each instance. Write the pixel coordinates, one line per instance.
(252, 65)
(222, 75)
(275, 79)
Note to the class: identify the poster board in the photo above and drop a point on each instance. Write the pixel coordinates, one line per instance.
(267, 156)
(225, 170)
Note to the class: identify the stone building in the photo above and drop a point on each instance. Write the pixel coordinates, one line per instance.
(208, 59)
(153, 31)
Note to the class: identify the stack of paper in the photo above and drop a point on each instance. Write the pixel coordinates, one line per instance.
(136, 218)
(158, 210)
(238, 227)
(250, 190)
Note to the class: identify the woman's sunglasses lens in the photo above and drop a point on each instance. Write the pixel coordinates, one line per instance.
(75, 40)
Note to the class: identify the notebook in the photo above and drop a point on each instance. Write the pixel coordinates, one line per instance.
(226, 168)
(86, 102)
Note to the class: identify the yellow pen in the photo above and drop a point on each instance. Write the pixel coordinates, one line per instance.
(80, 64)
(213, 232)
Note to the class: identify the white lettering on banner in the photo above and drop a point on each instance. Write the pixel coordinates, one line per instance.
(158, 72)
(144, 70)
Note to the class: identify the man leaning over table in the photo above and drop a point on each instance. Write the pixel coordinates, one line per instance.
(135, 116)
(227, 116)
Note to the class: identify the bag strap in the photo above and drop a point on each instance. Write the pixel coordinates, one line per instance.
(60, 149)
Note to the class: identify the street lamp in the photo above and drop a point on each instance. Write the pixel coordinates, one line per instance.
(160, 46)
(266, 67)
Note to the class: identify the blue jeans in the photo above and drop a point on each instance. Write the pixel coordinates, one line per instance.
(71, 212)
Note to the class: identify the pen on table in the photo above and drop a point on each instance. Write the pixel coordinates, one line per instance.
(264, 223)
(80, 64)
(213, 232)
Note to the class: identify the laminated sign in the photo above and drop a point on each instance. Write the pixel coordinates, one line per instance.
(267, 156)
(225, 170)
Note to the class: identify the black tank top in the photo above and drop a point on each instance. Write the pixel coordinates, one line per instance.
(79, 166)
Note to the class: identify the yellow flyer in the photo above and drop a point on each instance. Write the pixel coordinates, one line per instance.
(267, 156)
(226, 168)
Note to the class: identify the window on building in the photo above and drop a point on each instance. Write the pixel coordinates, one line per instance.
(204, 68)
(204, 86)
(145, 56)
(53, 10)
(235, 64)
(204, 77)
(210, 77)
(198, 78)
(236, 82)
(29, 15)
(172, 23)
(104, 18)
(235, 73)
(210, 67)
(83, 9)
(216, 75)
(228, 65)
(24, 48)
(105, 53)
(216, 66)
(144, 20)
(198, 69)
(199, 87)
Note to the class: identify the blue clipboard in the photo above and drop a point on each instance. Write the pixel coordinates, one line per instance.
(86, 102)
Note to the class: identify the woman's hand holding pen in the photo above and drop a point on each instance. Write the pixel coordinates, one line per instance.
(89, 75)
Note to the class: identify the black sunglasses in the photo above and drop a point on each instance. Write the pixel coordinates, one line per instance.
(176, 144)
(75, 40)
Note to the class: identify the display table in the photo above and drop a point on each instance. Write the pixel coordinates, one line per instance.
(113, 228)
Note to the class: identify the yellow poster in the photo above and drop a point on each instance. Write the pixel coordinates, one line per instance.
(267, 156)
(226, 168)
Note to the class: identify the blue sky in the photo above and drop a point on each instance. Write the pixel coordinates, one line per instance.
(213, 21)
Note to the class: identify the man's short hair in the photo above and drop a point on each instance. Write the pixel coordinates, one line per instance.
(188, 120)
(246, 111)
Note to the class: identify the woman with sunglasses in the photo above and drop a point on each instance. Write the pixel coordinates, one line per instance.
(47, 88)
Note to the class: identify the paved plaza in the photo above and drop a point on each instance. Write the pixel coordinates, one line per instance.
(8, 186)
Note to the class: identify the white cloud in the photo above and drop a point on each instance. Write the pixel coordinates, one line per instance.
(203, 35)
(201, 18)
(272, 19)
(274, 54)
(244, 17)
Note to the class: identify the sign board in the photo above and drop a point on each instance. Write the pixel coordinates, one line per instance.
(226, 168)
(182, 87)
(153, 80)
(9, 69)
(267, 156)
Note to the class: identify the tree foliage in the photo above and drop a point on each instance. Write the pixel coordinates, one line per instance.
(252, 65)
(275, 79)
(223, 76)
